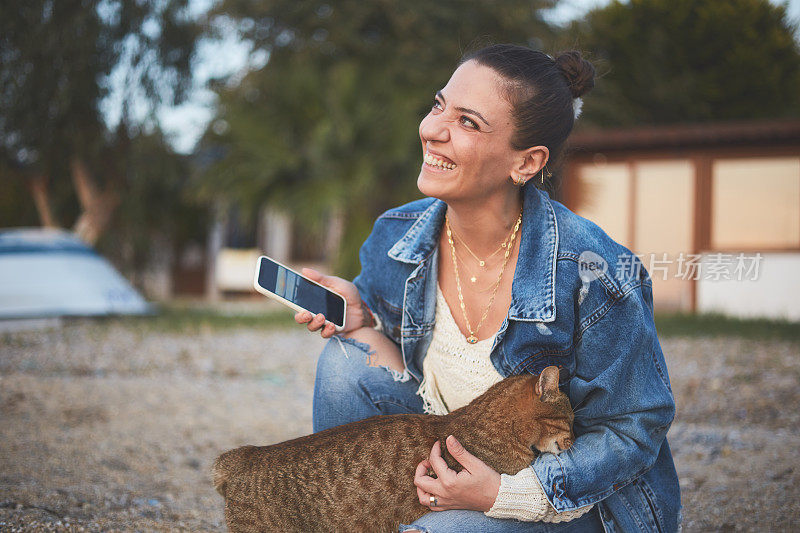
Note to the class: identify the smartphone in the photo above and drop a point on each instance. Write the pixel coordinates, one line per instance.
(281, 283)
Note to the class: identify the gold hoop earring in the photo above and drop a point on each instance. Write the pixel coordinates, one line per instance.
(518, 181)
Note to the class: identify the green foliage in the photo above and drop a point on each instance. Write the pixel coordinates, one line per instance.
(155, 208)
(177, 318)
(331, 121)
(666, 61)
(16, 210)
(57, 59)
(714, 324)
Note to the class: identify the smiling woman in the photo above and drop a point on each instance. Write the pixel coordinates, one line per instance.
(468, 129)
(480, 281)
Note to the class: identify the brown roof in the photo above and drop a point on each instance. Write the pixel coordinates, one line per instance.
(772, 132)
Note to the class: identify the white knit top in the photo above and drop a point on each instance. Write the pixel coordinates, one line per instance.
(454, 373)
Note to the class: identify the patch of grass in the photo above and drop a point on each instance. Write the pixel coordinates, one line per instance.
(182, 319)
(713, 324)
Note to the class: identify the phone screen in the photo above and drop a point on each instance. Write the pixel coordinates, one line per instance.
(293, 287)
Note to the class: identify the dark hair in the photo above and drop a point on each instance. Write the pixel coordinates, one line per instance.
(540, 90)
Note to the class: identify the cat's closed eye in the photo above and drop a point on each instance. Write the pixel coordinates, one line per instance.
(555, 425)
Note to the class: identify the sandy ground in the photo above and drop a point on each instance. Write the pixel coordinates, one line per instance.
(107, 427)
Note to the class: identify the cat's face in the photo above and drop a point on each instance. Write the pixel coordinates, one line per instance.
(551, 426)
(555, 424)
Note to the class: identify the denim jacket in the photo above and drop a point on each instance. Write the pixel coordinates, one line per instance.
(580, 301)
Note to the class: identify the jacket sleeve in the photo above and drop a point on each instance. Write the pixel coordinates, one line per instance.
(622, 400)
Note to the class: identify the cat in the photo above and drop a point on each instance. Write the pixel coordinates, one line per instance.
(360, 476)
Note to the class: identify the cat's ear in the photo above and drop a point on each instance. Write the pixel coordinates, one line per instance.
(548, 382)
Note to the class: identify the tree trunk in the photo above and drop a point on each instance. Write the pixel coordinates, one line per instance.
(97, 206)
(213, 247)
(41, 198)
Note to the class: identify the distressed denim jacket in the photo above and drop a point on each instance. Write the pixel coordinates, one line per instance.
(580, 301)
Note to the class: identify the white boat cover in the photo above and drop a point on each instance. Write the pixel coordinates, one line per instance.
(51, 272)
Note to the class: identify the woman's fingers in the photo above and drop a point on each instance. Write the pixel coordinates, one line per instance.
(303, 317)
(328, 331)
(442, 503)
(344, 288)
(341, 286)
(322, 279)
(424, 483)
(422, 480)
(310, 273)
(425, 499)
(317, 322)
(427, 484)
(470, 463)
(443, 472)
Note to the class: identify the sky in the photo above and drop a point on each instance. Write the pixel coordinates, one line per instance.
(185, 124)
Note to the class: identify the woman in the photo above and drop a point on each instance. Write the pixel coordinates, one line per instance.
(488, 277)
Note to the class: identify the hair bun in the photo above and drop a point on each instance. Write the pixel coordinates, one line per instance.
(578, 72)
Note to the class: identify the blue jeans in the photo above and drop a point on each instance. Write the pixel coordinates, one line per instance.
(347, 390)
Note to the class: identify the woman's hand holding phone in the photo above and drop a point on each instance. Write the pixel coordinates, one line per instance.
(355, 313)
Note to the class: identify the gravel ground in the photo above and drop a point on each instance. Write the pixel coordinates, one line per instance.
(113, 427)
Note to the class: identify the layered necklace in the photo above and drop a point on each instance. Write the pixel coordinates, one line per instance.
(481, 262)
(508, 245)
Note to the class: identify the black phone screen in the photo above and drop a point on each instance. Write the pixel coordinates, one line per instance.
(293, 287)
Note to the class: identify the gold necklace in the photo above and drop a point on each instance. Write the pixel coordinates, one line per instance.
(482, 262)
(472, 277)
(473, 335)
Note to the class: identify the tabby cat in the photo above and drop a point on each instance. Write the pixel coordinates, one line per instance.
(360, 476)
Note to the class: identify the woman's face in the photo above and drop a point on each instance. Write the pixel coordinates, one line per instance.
(469, 128)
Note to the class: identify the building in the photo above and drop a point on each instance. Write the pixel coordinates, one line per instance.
(713, 210)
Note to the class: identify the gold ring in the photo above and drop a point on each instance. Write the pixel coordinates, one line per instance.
(433, 502)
